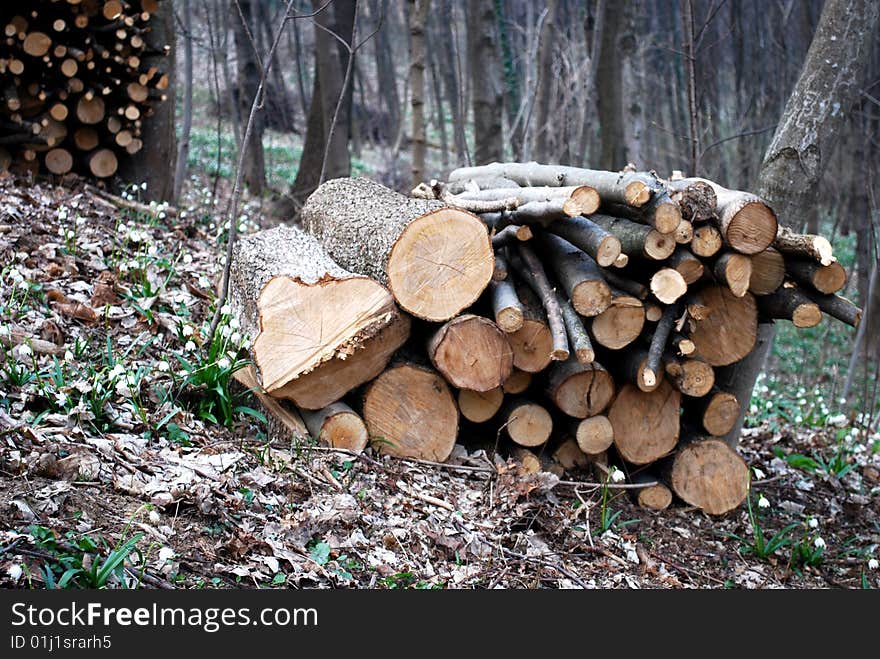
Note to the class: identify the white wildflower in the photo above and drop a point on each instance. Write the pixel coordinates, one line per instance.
(819, 543)
(166, 554)
(152, 250)
(814, 523)
(154, 517)
(842, 400)
(223, 363)
(768, 404)
(116, 371)
(122, 228)
(123, 389)
(161, 215)
(204, 282)
(763, 502)
(235, 338)
(190, 346)
(80, 220)
(616, 475)
(23, 284)
(838, 420)
(759, 474)
(68, 356)
(753, 409)
(187, 258)
(225, 331)
(163, 366)
(24, 351)
(5, 331)
(873, 564)
(144, 185)
(798, 419)
(61, 399)
(187, 330)
(14, 571)
(226, 310)
(802, 401)
(234, 324)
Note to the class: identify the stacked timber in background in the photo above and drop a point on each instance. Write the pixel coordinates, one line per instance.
(580, 315)
(74, 89)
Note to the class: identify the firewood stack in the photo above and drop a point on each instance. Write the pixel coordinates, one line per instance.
(75, 85)
(580, 315)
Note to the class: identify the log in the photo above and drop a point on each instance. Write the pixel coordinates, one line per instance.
(534, 275)
(518, 382)
(688, 266)
(621, 283)
(284, 421)
(726, 330)
(435, 260)
(668, 285)
(570, 457)
(480, 406)
(838, 307)
(37, 44)
(692, 377)
(85, 138)
(826, 279)
(684, 232)
(578, 336)
(59, 161)
(660, 213)
(410, 412)
(696, 199)
(337, 425)
(472, 353)
(768, 272)
(529, 463)
(646, 424)
(332, 379)
(709, 474)
(634, 366)
(574, 200)
(90, 110)
(580, 276)
(500, 269)
(630, 188)
(526, 423)
(790, 303)
(659, 340)
(594, 435)
(580, 390)
(103, 163)
(621, 323)
(511, 234)
(682, 344)
(804, 245)
(506, 307)
(717, 411)
(299, 307)
(637, 240)
(707, 241)
(735, 270)
(747, 223)
(589, 237)
(654, 495)
(653, 311)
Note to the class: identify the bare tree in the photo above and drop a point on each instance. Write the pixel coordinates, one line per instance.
(418, 15)
(485, 81)
(183, 145)
(248, 73)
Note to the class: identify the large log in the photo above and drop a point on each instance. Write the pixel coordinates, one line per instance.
(435, 260)
(646, 424)
(410, 412)
(299, 307)
(726, 330)
(527, 423)
(708, 474)
(580, 390)
(472, 353)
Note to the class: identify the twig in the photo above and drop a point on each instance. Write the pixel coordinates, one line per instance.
(427, 498)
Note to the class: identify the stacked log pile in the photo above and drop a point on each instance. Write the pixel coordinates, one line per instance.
(76, 85)
(580, 315)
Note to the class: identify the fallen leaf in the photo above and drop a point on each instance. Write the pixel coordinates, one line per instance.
(77, 310)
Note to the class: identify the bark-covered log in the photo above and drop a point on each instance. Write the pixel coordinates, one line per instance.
(580, 390)
(580, 276)
(659, 340)
(838, 307)
(660, 213)
(735, 270)
(682, 344)
(726, 329)
(298, 306)
(717, 411)
(511, 234)
(410, 412)
(626, 285)
(826, 279)
(620, 324)
(527, 423)
(692, 377)
(534, 275)
(790, 303)
(532, 344)
(807, 245)
(578, 336)
(646, 424)
(768, 272)
(633, 364)
(709, 474)
(472, 353)
(575, 200)
(695, 198)
(637, 240)
(337, 425)
(506, 307)
(689, 266)
(435, 260)
(588, 236)
(480, 406)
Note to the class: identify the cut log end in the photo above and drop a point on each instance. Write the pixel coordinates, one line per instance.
(667, 217)
(532, 346)
(472, 353)
(440, 264)
(736, 271)
(654, 497)
(518, 382)
(637, 193)
(608, 251)
(752, 229)
(528, 424)
(594, 435)
(710, 475)
(580, 390)
(806, 316)
(480, 406)
(338, 426)
(707, 241)
(720, 413)
(103, 163)
(584, 200)
(768, 272)
(620, 324)
(646, 425)
(668, 285)
(659, 246)
(725, 327)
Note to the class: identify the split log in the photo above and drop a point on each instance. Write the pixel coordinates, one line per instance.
(717, 412)
(480, 406)
(654, 495)
(506, 307)
(735, 270)
(709, 474)
(621, 323)
(768, 272)
(726, 329)
(688, 266)
(580, 276)
(594, 435)
(589, 237)
(707, 241)
(435, 260)
(804, 245)
(580, 390)
(838, 307)
(646, 424)
(300, 308)
(472, 353)
(410, 412)
(826, 279)
(637, 240)
(790, 303)
(337, 425)
(518, 382)
(526, 423)
(334, 378)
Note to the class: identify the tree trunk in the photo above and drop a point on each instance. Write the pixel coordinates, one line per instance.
(609, 90)
(248, 78)
(418, 14)
(180, 168)
(386, 73)
(544, 133)
(486, 86)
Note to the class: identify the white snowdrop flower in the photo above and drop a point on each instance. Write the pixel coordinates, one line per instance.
(226, 310)
(23, 284)
(68, 356)
(798, 419)
(873, 564)
(61, 399)
(225, 331)
(765, 389)
(144, 185)
(24, 351)
(759, 474)
(154, 517)
(62, 212)
(163, 366)
(841, 400)
(166, 554)
(161, 215)
(152, 250)
(187, 330)
(837, 420)
(80, 220)
(123, 267)
(122, 389)
(235, 338)
(223, 363)
(133, 265)
(222, 260)
(122, 228)
(204, 282)
(753, 409)
(242, 227)
(763, 502)
(4, 330)
(190, 346)
(814, 523)
(819, 543)
(820, 399)
(14, 571)
(71, 234)
(183, 215)
(234, 324)
(617, 476)
(22, 256)
(116, 371)
(769, 404)
(187, 258)
(61, 231)
(802, 401)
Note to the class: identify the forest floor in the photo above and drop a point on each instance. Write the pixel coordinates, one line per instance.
(127, 458)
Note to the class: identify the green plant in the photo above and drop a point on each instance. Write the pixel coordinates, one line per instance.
(402, 580)
(607, 518)
(760, 545)
(809, 549)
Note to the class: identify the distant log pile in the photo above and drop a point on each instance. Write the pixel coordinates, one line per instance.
(579, 314)
(75, 84)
